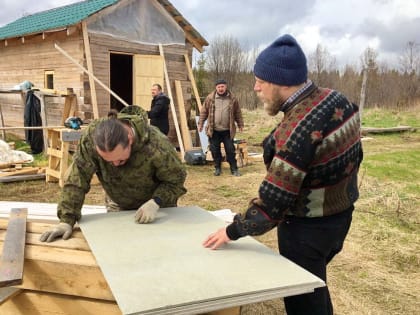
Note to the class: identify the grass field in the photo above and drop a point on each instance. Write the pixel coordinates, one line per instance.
(378, 270)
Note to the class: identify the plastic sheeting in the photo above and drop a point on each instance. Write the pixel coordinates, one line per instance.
(143, 22)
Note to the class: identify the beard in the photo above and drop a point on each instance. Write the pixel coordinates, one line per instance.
(272, 106)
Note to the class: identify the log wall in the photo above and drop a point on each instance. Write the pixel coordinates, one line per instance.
(28, 59)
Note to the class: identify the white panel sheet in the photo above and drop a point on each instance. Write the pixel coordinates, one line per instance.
(162, 268)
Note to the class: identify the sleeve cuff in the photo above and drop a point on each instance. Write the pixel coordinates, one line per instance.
(232, 232)
(158, 201)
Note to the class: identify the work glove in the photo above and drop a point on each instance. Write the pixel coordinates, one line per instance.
(62, 229)
(147, 212)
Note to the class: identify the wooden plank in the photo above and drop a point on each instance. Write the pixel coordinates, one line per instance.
(368, 130)
(90, 75)
(8, 293)
(90, 69)
(23, 171)
(193, 83)
(12, 258)
(70, 106)
(44, 212)
(75, 243)
(49, 268)
(19, 178)
(186, 135)
(29, 302)
(173, 110)
(2, 124)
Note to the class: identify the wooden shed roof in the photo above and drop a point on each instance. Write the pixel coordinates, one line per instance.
(72, 14)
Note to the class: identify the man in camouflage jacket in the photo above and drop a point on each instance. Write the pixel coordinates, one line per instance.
(153, 171)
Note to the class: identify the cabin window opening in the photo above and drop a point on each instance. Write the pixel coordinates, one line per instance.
(49, 79)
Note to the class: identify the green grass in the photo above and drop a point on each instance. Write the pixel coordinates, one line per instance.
(386, 118)
(397, 166)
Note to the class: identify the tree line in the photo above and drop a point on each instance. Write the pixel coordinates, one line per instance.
(371, 83)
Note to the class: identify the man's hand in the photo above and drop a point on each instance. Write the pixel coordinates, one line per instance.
(62, 229)
(215, 240)
(147, 212)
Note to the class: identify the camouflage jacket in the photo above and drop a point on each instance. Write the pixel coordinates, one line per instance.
(153, 170)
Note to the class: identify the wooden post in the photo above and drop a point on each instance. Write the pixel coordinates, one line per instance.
(2, 124)
(173, 110)
(70, 105)
(41, 98)
(194, 85)
(363, 93)
(90, 68)
(183, 117)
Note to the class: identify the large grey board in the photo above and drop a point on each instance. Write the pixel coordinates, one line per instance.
(162, 267)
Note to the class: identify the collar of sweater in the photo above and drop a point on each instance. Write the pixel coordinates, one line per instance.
(297, 96)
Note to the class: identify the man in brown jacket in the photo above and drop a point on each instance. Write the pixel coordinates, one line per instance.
(221, 110)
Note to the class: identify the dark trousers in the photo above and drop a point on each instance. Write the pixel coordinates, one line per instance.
(312, 243)
(215, 141)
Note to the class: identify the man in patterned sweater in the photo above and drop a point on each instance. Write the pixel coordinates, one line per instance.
(312, 159)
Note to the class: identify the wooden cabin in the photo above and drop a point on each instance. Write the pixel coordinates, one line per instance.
(125, 45)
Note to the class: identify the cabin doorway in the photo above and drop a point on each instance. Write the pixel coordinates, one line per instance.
(121, 77)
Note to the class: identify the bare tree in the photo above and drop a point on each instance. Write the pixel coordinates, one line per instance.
(321, 62)
(369, 59)
(369, 71)
(410, 65)
(226, 58)
(410, 60)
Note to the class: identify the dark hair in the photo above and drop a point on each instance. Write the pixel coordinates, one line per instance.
(158, 86)
(110, 132)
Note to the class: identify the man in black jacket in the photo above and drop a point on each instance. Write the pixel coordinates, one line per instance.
(158, 113)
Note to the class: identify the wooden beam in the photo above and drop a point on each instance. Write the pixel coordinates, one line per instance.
(30, 128)
(183, 117)
(49, 268)
(12, 258)
(90, 74)
(2, 124)
(370, 130)
(193, 83)
(173, 110)
(12, 179)
(30, 302)
(90, 68)
(23, 171)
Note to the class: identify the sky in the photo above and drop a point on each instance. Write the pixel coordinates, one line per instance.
(345, 28)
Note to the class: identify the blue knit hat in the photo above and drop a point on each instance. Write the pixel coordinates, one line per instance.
(282, 63)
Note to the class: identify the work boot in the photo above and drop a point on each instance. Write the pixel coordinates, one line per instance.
(235, 172)
(217, 171)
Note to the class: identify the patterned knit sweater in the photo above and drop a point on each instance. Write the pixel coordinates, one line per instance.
(312, 159)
